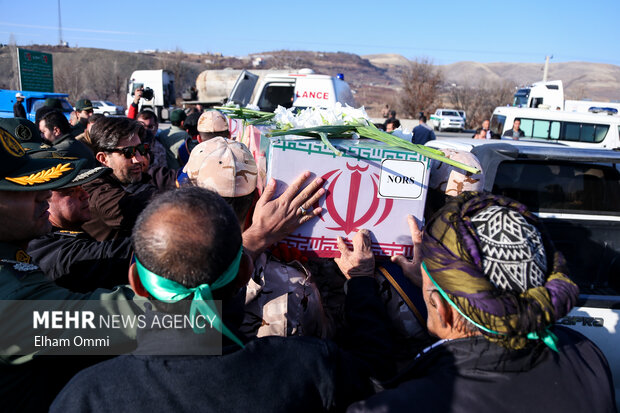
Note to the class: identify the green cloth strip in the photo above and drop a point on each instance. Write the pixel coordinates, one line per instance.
(164, 289)
(546, 336)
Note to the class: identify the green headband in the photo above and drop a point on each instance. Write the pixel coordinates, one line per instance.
(547, 336)
(164, 289)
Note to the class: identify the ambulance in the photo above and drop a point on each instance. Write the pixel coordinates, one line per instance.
(303, 89)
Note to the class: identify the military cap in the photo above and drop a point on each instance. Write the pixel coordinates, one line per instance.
(24, 131)
(178, 115)
(224, 166)
(84, 104)
(212, 121)
(21, 172)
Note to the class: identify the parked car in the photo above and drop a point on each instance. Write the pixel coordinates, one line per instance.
(444, 119)
(107, 108)
(576, 193)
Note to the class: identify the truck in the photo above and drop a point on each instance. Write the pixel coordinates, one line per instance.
(444, 119)
(268, 89)
(550, 95)
(161, 82)
(32, 102)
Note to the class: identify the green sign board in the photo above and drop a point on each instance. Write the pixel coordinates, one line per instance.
(36, 71)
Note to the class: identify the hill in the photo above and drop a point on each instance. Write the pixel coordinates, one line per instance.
(376, 79)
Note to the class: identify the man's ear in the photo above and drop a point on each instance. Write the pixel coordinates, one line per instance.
(444, 310)
(134, 281)
(102, 157)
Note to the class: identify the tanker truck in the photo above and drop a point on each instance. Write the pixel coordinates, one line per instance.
(268, 89)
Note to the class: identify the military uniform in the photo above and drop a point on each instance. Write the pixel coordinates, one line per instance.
(28, 381)
(282, 300)
(172, 139)
(29, 378)
(75, 260)
(66, 145)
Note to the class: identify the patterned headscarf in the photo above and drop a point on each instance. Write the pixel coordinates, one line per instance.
(489, 255)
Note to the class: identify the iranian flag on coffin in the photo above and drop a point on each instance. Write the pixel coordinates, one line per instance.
(372, 186)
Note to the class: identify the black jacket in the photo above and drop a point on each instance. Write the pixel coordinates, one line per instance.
(78, 262)
(475, 375)
(18, 110)
(272, 374)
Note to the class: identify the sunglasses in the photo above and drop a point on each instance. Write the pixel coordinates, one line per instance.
(130, 151)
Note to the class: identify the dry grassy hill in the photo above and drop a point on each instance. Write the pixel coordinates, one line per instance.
(376, 79)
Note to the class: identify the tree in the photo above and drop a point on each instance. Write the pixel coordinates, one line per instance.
(480, 101)
(421, 81)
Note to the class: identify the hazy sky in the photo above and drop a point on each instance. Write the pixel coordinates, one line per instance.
(445, 31)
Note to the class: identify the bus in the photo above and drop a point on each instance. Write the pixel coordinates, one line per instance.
(579, 130)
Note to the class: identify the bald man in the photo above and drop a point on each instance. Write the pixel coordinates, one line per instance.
(188, 246)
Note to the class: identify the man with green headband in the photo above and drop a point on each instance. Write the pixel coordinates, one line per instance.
(494, 286)
(188, 247)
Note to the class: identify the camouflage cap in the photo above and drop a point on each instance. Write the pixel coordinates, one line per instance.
(212, 121)
(452, 180)
(224, 166)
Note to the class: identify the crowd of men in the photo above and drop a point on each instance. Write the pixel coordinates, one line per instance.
(116, 210)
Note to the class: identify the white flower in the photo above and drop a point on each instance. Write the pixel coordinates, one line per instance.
(311, 117)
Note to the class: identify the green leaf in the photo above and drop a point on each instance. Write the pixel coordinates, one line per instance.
(327, 143)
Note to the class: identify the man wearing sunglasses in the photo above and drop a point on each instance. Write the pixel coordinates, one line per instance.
(116, 200)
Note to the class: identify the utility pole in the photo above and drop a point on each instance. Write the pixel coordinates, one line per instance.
(546, 70)
(60, 42)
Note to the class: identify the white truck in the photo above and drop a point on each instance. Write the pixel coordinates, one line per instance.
(444, 119)
(550, 95)
(161, 82)
(268, 89)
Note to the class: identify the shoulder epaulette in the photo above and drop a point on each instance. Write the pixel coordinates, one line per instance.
(67, 233)
(21, 266)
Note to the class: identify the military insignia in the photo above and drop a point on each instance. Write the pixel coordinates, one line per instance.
(21, 266)
(22, 256)
(22, 132)
(43, 176)
(72, 234)
(56, 155)
(11, 145)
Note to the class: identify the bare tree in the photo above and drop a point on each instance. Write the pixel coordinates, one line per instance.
(69, 78)
(480, 101)
(421, 82)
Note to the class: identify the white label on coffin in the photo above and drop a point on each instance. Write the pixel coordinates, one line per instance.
(401, 179)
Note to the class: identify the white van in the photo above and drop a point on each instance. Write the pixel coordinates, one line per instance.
(303, 89)
(579, 130)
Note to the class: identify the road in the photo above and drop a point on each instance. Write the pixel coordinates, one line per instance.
(412, 123)
(406, 123)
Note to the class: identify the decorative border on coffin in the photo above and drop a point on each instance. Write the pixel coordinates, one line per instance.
(325, 247)
(359, 153)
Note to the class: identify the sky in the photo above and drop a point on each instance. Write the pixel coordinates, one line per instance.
(443, 31)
